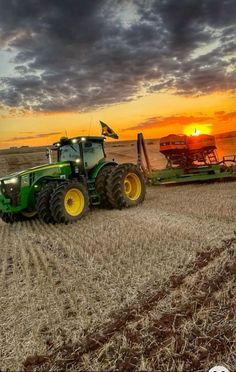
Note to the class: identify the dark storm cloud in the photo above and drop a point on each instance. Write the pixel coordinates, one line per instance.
(76, 55)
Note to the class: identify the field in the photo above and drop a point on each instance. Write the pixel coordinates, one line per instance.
(11, 160)
(149, 288)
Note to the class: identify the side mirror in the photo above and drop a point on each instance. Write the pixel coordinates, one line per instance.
(49, 155)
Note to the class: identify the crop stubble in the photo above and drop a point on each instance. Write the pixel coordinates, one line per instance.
(135, 289)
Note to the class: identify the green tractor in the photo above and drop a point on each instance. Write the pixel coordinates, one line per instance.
(63, 191)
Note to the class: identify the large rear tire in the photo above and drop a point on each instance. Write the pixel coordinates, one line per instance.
(100, 186)
(69, 202)
(43, 202)
(126, 186)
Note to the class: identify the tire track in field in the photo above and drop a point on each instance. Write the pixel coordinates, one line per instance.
(14, 265)
(33, 286)
(61, 243)
(4, 252)
(11, 261)
(168, 345)
(28, 267)
(167, 327)
(7, 260)
(33, 290)
(35, 266)
(56, 258)
(30, 263)
(54, 235)
(52, 270)
(55, 276)
(71, 355)
(59, 280)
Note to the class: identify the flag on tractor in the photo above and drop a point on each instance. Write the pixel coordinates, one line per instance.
(107, 131)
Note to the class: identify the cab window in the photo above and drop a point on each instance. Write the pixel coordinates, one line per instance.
(93, 153)
(69, 152)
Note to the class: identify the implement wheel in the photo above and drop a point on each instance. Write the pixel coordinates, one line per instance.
(100, 186)
(69, 202)
(43, 202)
(126, 186)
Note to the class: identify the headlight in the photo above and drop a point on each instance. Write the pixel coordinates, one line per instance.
(11, 189)
(13, 181)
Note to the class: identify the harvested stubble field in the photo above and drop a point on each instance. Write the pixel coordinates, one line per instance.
(147, 288)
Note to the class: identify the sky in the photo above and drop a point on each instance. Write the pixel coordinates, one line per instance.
(151, 66)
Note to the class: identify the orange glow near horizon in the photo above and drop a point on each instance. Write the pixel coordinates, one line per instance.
(196, 132)
(155, 115)
(192, 130)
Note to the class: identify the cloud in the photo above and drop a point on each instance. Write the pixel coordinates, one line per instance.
(36, 136)
(169, 121)
(226, 116)
(160, 122)
(77, 55)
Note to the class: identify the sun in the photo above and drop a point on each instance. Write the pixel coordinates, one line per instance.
(197, 129)
(196, 132)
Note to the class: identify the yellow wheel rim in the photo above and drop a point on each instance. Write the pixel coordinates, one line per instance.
(132, 186)
(28, 214)
(74, 202)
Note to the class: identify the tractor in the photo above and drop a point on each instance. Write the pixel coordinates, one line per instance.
(64, 190)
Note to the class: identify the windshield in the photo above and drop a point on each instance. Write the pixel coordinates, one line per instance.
(69, 152)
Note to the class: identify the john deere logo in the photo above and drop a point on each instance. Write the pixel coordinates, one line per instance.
(219, 369)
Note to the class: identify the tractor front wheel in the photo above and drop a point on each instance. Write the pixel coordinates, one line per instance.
(10, 217)
(126, 186)
(69, 202)
(17, 217)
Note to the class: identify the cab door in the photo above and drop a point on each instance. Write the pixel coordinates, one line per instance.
(93, 153)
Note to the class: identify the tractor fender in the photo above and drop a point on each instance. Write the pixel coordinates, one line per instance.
(38, 183)
(42, 180)
(94, 172)
(54, 172)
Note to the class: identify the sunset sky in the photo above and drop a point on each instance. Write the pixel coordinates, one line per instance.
(160, 67)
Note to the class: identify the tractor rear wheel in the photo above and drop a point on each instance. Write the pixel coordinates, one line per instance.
(126, 186)
(100, 186)
(69, 202)
(43, 202)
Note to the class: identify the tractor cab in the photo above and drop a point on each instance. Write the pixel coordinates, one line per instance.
(63, 190)
(86, 151)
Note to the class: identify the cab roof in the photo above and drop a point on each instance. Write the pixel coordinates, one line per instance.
(65, 140)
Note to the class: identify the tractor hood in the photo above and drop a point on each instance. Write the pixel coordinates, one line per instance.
(47, 169)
